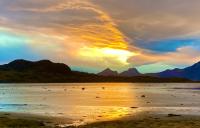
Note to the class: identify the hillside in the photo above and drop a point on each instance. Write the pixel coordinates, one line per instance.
(45, 71)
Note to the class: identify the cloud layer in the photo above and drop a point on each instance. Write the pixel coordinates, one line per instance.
(99, 33)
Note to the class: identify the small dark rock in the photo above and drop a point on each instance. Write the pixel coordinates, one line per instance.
(7, 114)
(173, 115)
(134, 107)
(41, 123)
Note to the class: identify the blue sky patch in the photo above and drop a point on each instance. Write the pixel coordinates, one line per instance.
(14, 47)
(168, 45)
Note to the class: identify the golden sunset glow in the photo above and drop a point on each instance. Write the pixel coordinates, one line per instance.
(94, 34)
(100, 63)
(122, 55)
(95, 53)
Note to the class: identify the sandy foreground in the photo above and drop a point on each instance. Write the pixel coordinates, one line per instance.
(19, 120)
(13, 120)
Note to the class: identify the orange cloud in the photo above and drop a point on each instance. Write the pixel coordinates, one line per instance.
(95, 33)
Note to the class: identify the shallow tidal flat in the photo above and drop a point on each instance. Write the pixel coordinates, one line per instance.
(102, 105)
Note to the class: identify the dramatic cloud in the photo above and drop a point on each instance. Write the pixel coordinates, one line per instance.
(95, 34)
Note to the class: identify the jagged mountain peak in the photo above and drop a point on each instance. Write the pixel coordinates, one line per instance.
(108, 72)
(130, 72)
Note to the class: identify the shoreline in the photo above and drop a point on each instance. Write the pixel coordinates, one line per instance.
(12, 120)
(148, 121)
(100, 83)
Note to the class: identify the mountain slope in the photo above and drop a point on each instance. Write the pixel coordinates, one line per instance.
(108, 72)
(38, 66)
(130, 72)
(45, 71)
(192, 73)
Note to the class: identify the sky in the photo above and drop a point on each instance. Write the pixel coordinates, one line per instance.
(91, 35)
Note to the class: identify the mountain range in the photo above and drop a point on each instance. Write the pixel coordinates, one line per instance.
(129, 73)
(45, 71)
(191, 73)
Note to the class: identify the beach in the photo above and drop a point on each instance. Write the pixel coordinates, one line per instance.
(12, 120)
(149, 122)
(109, 105)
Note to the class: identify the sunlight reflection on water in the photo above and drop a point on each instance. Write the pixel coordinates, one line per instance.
(97, 102)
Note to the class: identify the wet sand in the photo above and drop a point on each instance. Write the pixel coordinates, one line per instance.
(102, 105)
(143, 120)
(21, 120)
(149, 122)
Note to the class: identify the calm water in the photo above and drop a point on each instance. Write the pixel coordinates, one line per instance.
(91, 102)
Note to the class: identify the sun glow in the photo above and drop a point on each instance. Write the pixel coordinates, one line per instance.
(122, 55)
(119, 55)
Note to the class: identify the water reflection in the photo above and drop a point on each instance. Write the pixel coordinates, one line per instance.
(94, 102)
(98, 101)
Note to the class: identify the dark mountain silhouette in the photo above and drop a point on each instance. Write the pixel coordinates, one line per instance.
(108, 72)
(192, 73)
(45, 71)
(130, 72)
(39, 66)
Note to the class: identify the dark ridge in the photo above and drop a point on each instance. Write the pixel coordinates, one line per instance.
(45, 71)
(130, 72)
(192, 73)
(37, 66)
(108, 72)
